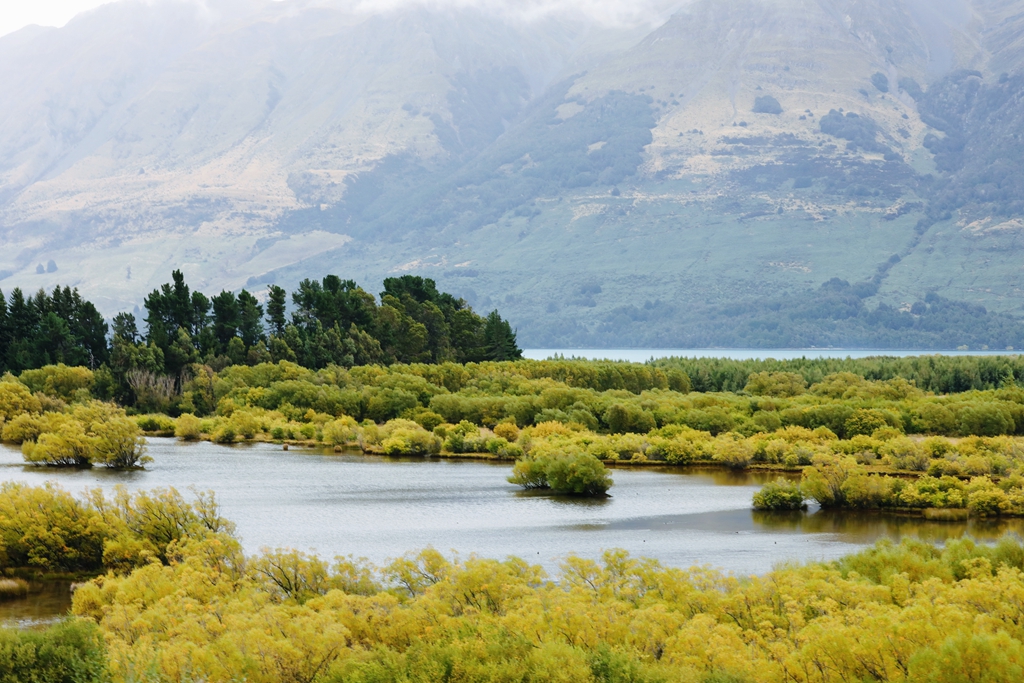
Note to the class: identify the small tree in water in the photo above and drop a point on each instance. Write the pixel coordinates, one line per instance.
(577, 473)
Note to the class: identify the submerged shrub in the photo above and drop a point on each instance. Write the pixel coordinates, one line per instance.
(780, 494)
(118, 443)
(188, 427)
(575, 473)
(225, 434)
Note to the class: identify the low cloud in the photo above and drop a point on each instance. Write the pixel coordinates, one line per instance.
(610, 12)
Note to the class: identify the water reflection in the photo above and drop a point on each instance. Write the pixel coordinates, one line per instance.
(868, 526)
(46, 603)
(724, 476)
(571, 501)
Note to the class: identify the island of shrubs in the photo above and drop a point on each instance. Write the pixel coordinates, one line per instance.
(178, 600)
(560, 420)
(563, 421)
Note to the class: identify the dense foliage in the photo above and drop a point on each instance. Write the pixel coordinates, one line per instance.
(610, 397)
(60, 327)
(48, 529)
(910, 612)
(333, 322)
(842, 481)
(938, 374)
(561, 419)
(70, 652)
(60, 423)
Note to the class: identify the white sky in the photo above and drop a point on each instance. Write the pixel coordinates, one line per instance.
(15, 14)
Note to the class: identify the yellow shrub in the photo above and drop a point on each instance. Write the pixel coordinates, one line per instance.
(188, 427)
(16, 399)
(507, 431)
(545, 429)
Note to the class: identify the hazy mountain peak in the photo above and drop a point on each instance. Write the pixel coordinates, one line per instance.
(245, 142)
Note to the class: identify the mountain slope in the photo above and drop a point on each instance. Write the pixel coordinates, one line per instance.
(613, 185)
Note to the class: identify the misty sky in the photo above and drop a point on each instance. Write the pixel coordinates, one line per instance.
(15, 14)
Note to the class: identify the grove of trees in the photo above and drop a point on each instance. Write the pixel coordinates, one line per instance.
(331, 322)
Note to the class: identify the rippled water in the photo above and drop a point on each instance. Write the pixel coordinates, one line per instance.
(381, 508)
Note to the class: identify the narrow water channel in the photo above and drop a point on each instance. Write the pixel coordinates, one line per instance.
(380, 508)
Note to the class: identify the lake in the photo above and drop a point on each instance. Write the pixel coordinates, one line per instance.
(644, 355)
(380, 508)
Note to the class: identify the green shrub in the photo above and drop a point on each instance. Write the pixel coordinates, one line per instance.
(225, 434)
(576, 473)
(48, 528)
(626, 417)
(780, 495)
(335, 433)
(411, 442)
(16, 399)
(155, 423)
(985, 419)
(70, 652)
(118, 443)
(782, 384)
(733, 451)
(866, 421)
(60, 381)
(428, 419)
(245, 423)
(188, 427)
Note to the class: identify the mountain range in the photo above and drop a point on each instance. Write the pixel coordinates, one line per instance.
(712, 172)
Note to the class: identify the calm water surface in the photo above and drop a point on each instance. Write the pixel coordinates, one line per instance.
(380, 508)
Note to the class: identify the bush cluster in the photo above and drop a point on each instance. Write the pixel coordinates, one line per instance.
(70, 652)
(907, 612)
(80, 434)
(48, 529)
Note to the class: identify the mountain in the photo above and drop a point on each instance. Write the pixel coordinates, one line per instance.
(669, 180)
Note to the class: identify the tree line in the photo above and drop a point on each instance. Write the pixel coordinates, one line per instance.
(42, 329)
(331, 322)
(939, 374)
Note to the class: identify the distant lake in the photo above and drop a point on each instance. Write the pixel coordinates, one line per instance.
(643, 355)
